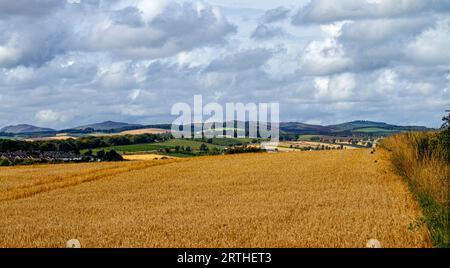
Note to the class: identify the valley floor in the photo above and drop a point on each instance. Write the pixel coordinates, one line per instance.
(300, 199)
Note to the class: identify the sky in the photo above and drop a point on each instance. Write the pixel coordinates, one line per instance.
(74, 62)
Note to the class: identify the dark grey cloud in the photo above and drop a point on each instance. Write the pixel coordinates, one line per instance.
(29, 7)
(379, 43)
(131, 60)
(326, 11)
(276, 14)
(186, 26)
(95, 27)
(179, 27)
(130, 16)
(266, 32)
(371, 44)
(30, 42)
(372, 32)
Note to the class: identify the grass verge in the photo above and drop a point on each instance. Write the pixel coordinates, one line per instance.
(423, 159)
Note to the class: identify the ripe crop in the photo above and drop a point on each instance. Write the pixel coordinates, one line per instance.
(307, 199)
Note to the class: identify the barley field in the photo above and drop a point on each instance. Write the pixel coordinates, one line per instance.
(299, 199)
(145, 157)
(145, 131)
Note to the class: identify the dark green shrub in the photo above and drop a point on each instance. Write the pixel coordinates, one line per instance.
(4, 162)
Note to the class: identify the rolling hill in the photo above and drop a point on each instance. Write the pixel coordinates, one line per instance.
(24, 128)
(360, 124)
(359, 127)
(371, 128)
(300, 128)
(288, 128)
(108, 126)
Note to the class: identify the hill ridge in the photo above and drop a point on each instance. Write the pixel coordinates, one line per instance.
(24, 128)
(290, 127)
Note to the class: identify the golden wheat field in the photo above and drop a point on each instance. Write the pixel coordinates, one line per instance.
(300, 199)
(145, 157)
(145, 131)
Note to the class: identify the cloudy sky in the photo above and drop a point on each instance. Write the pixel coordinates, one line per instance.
(66, 63)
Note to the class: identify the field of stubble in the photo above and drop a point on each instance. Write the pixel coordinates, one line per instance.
(305, 199)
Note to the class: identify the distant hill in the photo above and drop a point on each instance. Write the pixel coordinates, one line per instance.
(108, 126)
(369, 127)
(362, 128)
(354, 125)
(24, 128)
(301, 128)
(348, 126)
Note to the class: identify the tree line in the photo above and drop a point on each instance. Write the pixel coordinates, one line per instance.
(75, 145)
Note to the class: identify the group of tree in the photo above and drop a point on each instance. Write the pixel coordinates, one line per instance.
(52, 157)
(224, 141)
(188, 151)
(243, 149)
(203, 149)
(5, 162)
(318, 147)
(102, 155)
(75, 145)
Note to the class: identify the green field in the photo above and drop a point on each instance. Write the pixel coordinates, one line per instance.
(309, 137)
(228, 142)
(374, 130)
(149, 147)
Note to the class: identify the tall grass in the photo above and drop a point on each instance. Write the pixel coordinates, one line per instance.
(423, 159)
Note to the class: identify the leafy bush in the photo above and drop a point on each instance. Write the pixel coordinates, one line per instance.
(203, 148)
(243, 149)
(113, 156)
(109, 156)
(4, 162)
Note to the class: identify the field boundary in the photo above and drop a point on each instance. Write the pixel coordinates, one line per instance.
(421, 159)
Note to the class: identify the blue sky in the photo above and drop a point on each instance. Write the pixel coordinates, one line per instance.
(66, 63)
